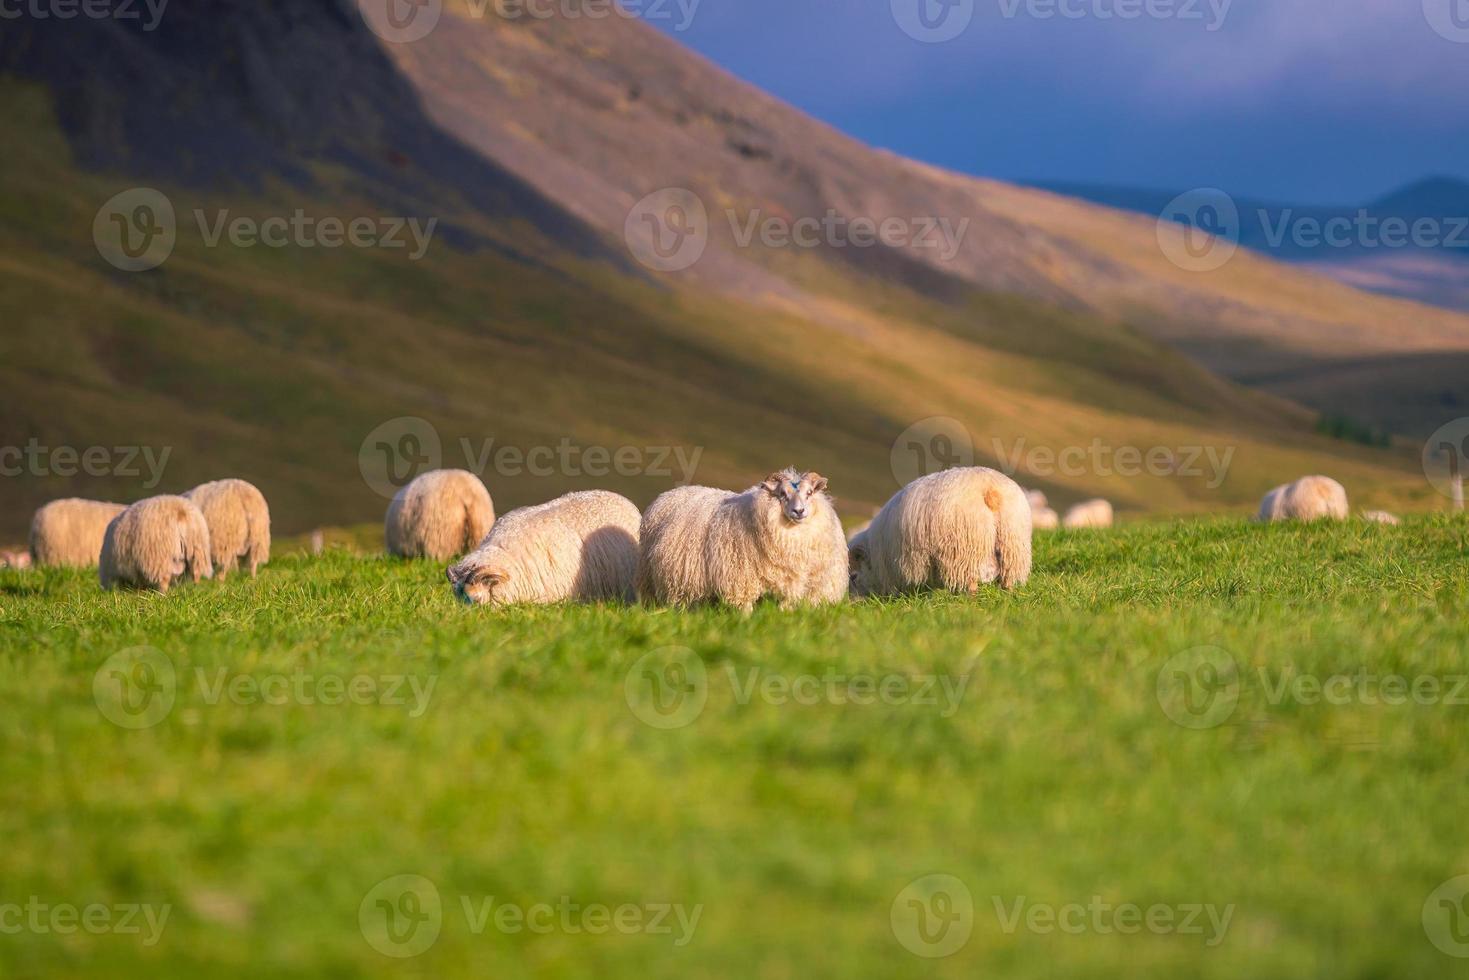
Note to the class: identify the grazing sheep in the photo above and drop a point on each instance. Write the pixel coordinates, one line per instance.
(780, 538)
(1036, 499)
(1380, 517)
(1044, 519)
(1309, 498)
(15, 559)
(239, 524)
(68, 533)
(441, 514)
(582, 547)
(154, 543)
(955, 530)
(1089, 513)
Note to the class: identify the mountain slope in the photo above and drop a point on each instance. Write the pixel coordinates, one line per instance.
(600, 111)
(281, 364)
(1433, 268)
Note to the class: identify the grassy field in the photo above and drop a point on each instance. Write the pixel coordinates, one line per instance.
(626, 792)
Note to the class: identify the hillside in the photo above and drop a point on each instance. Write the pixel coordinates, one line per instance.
(527, 323)
(1434, 269)
(597, 112)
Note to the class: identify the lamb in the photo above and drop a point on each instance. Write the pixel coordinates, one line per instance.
(1309, 498)
(1380, 517)
(955, 530)
(1089, 513)
(581, 547)
(68, 533)
(239, 524)
(779, 538)
(155, 543)
(440, 515)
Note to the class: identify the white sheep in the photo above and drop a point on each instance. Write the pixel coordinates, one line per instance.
(581, 547)
(239, 524)
(68, 533)
(15, 559)
(1381, 517)
(779, 538)
(440, 515)
(155, 543)
(1042, 517)
(1088, 513)
(1307, 499)
(956, 530)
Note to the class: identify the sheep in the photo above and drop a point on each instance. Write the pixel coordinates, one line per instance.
(1380, 517)
(1307, 499)
(68, 533)
(440, 515)
(239, 524)
(779, 538)
(1088, 513)
(1042, 517)
(15, 559)
(858, 530)
(955, 530)
(581, 547)
(154, 543)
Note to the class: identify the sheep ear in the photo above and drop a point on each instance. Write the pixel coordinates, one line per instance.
(858, 553)
(817, 481)
(772, 484)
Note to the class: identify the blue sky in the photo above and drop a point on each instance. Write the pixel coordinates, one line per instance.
(1306, 101)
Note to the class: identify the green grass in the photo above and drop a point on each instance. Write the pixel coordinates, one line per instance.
(529, 776)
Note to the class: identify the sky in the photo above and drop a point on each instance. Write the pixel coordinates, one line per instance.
(1296, 101)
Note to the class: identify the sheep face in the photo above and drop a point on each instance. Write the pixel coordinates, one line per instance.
(798, 494)
(479, 584)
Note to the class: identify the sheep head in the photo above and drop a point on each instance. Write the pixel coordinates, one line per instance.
(478, 583)
(800, 495)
